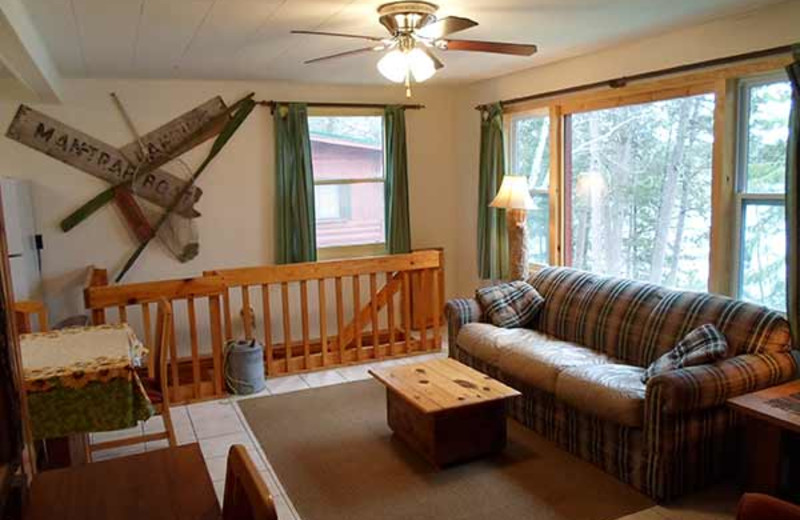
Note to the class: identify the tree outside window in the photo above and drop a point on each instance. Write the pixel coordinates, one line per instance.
(638, 183)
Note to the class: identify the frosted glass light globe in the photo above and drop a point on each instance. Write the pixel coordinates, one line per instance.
(421, 65)
(394, 66)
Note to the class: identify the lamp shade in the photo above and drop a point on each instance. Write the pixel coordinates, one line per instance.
(513, 194)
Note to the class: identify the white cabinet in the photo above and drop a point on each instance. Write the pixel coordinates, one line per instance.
(21, 237)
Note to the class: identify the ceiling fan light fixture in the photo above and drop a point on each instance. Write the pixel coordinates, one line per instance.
(394, 66)
(421, 65)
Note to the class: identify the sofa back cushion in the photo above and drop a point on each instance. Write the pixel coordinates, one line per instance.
(637, 322)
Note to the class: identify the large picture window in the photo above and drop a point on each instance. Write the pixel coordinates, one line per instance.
(530, 157)
(347, 157)
(763, 131)
(638, 191)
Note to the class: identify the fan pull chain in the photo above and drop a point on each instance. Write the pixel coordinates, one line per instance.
(408, 83)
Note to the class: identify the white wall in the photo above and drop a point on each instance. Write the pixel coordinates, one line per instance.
(762, 29)
(237, 226)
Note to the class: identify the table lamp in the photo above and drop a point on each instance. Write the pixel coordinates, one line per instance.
(515, 198)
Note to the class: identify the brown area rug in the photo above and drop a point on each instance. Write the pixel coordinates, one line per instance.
(337, 459)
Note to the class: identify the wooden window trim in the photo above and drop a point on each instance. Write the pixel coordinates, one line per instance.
(720, 81)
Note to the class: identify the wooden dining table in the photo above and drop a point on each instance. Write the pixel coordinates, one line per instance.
(167, 484)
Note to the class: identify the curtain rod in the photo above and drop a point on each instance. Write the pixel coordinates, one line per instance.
(624, 80)
(272, 104)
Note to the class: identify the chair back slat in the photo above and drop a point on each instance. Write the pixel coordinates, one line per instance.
(161, 345)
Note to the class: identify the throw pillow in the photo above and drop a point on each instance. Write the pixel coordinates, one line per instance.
(510, 305)
(703, 345)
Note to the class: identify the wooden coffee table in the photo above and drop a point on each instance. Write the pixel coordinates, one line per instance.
(445, 410)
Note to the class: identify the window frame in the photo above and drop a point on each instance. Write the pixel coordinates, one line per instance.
(510, 151)
(743, 198)
(352, 250)
(722, 81)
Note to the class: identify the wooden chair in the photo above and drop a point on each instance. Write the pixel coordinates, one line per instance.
(156, 386)
(246, 495)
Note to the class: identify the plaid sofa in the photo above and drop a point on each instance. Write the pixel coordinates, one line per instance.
(668, 437)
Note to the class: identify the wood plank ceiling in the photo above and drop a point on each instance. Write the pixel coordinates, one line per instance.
(249, 39)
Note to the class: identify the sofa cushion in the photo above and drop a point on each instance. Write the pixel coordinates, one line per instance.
(612, 392)
(529, 356)
(510, 305)
(480, 340)
(702, 346)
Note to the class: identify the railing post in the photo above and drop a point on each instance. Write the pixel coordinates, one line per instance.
(95, 278)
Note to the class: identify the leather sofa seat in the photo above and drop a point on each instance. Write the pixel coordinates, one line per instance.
(534, 358)
(613, 392)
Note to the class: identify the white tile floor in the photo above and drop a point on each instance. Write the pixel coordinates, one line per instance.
(217, 425)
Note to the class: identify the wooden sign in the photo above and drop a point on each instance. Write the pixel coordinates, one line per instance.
(73, 147)
(179, 135)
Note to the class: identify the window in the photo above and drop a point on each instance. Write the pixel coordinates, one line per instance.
(347, 157)
(761, 167)
(638, 191)
(530, 156)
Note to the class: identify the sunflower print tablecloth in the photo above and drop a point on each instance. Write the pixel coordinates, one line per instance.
(83, 380)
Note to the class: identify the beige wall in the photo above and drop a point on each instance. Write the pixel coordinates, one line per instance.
(762, 29)
(237, 225)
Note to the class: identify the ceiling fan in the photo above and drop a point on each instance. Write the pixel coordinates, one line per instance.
(415, 34)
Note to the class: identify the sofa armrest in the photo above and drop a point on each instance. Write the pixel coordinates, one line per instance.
(459, 312)
(702, 387)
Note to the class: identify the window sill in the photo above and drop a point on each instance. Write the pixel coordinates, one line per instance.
(341, 252)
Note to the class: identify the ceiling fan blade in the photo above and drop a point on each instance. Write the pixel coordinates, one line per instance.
(341, 54)
(445, 26)
(437, 63)
(340, 35)
(517, 49)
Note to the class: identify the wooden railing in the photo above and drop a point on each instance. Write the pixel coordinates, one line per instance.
(23, 312)
(194, 373)
(308, 316)
(330, 294)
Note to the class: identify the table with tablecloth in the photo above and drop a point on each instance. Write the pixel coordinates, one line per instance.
(83, 380)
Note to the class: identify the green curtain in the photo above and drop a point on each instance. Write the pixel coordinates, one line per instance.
(398, 227)
(492, 234)
(793, 204)
(296, 235)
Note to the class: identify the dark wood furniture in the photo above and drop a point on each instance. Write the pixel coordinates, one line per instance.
(168, 484)
(445, 410)
(772, 438)
(246, 495)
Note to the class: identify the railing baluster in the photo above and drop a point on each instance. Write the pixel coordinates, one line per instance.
(357, 315)
(226, 305)
(267, 317)
(304, 318)
(214, 315)
(247, 322)
(437, 311)
(148, 338)
(373, 294)
(287, 326)
(323, 322)
(195, 348)
(421, 307)
(390, 315)
(340, 318)
(406, 312)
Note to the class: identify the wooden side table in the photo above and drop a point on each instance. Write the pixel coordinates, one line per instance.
(772, 440)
